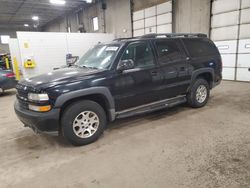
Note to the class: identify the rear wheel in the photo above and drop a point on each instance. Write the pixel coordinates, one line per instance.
(83, 122)
(199, 93)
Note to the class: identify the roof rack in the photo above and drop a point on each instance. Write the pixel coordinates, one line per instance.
(164, 35)
(120, 39)
(170, 35)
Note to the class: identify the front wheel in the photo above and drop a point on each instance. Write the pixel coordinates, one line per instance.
(83, 122)
(198, 94)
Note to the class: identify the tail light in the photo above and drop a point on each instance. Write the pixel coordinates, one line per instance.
(9, 75)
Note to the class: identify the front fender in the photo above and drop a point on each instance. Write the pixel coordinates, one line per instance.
(62, 99)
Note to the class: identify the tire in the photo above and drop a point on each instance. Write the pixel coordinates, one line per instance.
(83, 122)
(195, 99)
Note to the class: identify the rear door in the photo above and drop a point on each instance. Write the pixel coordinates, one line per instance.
(173, 63)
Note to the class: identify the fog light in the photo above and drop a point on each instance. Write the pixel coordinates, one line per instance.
(40, 108)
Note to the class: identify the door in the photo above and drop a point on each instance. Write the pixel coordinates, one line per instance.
(230, 32)
(136, 86)
(173, 64)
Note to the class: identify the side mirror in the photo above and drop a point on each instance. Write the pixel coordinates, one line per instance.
(72, 60)
(126, 65)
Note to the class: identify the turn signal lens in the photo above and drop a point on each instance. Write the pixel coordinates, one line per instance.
(40, 108)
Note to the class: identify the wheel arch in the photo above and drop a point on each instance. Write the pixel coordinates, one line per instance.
(205, 73)
(100, 95)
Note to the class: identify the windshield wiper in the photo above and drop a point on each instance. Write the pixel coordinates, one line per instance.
(83, 66)
(92, 67)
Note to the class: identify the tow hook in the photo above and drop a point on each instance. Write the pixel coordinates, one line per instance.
(33, 128)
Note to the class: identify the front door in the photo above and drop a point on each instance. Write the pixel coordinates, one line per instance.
(135, 87)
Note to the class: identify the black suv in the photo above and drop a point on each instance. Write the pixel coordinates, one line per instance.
(122, 78)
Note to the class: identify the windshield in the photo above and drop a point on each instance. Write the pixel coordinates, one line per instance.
(99, 57)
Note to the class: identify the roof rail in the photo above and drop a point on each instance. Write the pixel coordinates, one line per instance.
(120, 39)
(169, 35)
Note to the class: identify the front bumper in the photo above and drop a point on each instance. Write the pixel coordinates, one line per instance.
(46, 122)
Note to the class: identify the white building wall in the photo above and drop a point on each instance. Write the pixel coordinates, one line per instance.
(49, 49)
(230, 26)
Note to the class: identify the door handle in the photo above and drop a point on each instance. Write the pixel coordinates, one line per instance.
(154, 73)
(182, 69)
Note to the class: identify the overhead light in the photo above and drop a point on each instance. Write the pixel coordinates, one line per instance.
(58, 2)
(35, 18)
(5, 39)
(26, 25)
(88, 1)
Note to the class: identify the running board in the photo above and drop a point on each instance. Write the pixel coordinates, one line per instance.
(167, 103)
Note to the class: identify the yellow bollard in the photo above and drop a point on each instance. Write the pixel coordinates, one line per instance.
(16, 69)
(7, 63)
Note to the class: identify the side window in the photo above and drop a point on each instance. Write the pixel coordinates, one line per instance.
(167, 51)
(199, 47)
(140, 53)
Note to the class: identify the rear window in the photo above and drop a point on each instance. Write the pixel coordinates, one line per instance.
(167, 51)
(200, 47)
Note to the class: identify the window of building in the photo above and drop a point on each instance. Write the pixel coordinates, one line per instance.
(5, 39)
(95, 24)
(167, 51)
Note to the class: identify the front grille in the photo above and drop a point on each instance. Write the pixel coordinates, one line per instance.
(23, 104)
(22, 95)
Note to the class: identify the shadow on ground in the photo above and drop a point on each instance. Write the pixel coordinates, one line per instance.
(7, 93)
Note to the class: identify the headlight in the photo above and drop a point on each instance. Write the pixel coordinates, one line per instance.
(38, 97)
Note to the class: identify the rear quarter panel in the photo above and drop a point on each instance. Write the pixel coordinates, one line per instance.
(205, 61)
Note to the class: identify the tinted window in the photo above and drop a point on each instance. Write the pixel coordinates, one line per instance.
(200, 47)
(140, 53)
(167, 51)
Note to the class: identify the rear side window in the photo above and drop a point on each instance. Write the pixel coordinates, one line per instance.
(167, 51)
(200, 47)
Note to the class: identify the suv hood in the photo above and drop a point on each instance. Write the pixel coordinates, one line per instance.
(60, 76)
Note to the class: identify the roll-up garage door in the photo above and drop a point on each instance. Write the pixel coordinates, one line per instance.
(230, 26)
(156, 19)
